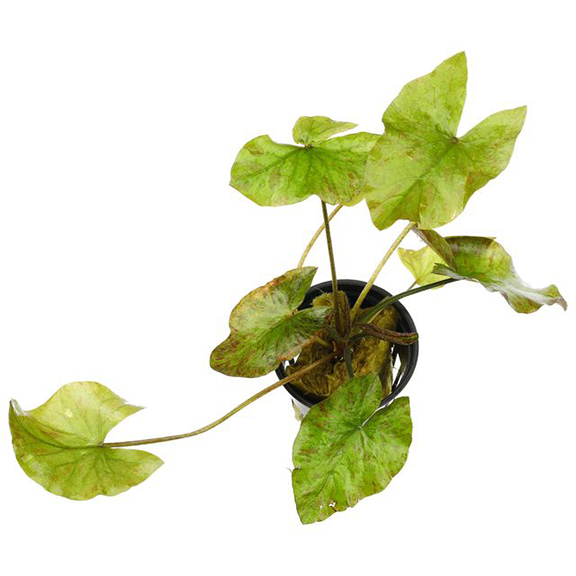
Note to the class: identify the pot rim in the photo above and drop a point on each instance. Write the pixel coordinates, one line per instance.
(406, 325)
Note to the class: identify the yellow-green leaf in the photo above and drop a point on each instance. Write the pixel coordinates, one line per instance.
(266, 327)
(420, 169)
(346, 449)
(311, 130)
(481, 260)
(59, 444)
(273, 174)
(421, 263)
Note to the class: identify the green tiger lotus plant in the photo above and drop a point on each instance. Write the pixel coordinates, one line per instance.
(348, 446)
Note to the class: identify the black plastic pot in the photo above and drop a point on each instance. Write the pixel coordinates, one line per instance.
(352, 288)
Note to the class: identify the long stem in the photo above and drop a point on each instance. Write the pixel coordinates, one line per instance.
(370, 282)
(371, 312)
(286, 380)
(317, 235)
(332, 268)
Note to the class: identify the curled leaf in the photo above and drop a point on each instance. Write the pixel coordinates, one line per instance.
(400, 338)
(369, 356)
(485, 261)
(420, 169)
(347, 450)
(266, 327)
(59, 444)
(273, 174)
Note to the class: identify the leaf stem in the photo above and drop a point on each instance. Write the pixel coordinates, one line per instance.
(332, 268)
(371, 312)
(317, 235)
(348, 361)
(370, 282)
(286, 380)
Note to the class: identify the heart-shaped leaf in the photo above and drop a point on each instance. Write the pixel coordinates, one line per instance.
(485, 261)
(59, 444)
(420, 170)
(346, 451)
(273, 174)
(266, 327)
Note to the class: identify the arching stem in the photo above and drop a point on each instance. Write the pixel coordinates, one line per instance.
(370, 282)
(317, 235)
(371, 312)
(286, 380)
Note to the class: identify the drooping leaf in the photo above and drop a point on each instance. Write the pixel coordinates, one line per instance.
(266, 327)
(346, 451)
(400, 338)
(273, 174)
(420, 169)
(312, 130)
(59, 444)
(369, 356)
(485, 261)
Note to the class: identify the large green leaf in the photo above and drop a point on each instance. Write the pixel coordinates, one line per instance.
(420, 170)
(485, 261)
(59, 444)
(273, 174)
(346, 451)
(267, 328)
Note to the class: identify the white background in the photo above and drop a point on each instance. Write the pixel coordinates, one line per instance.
(123, 250)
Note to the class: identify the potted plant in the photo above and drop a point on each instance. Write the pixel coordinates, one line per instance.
(344, 349)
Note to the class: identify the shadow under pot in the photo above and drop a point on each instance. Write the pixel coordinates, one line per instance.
(404, 362)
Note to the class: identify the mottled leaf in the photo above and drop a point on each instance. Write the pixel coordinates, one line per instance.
(273, 174)
(312, 130)
(485, 261)
(420, 169)
(266, 327)
(346, 451)
(59, 446)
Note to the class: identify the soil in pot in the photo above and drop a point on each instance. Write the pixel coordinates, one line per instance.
(394, 364)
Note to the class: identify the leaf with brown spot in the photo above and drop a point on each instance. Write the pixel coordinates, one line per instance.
(421, 170)
(346, 449)
(59, 446)
(267, 328)
(273, 174)
(483, 260)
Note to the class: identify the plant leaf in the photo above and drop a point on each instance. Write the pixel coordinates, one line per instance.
(273, 174)
(58, 444)
(346, 451)
(421, 263)
(312, 130)
(266, 327)
(485, 261)
(420, 170)
(400, 338)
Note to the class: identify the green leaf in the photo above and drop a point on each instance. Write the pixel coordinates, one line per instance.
(420, 170)
(485, 261)
(267, 328)
(312, 130)
(273, 174)
(346, 451)
(59, 446)
(421, 263)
